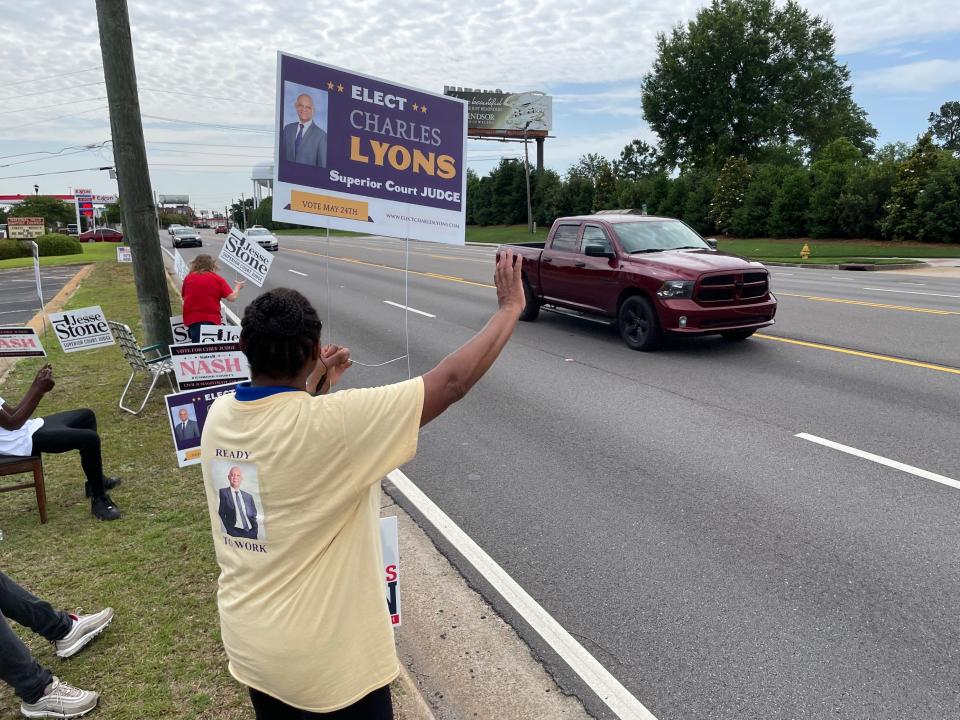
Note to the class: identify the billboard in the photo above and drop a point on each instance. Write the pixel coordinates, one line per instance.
(24, 228)
(354, 152)
(501, 111)
(174, 199)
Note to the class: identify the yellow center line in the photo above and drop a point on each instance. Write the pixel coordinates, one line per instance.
(859, 353)
(864, 303)
(789, 341)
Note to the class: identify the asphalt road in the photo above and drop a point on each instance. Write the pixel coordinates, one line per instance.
(18, 299)
(661, 506)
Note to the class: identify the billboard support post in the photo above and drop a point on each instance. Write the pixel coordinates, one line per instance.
(526, 170)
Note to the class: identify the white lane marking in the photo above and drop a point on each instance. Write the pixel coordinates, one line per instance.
(606, 686)
(912, 292)
(913, 283)
(942, 479)
(295, 272)
(781, 274)
(413, 310)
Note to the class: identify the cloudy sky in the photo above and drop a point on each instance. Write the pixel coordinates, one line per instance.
(215, 63)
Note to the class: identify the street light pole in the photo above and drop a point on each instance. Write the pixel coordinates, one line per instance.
(526, 168)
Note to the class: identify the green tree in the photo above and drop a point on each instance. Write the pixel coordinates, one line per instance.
(831, 171)
(676, 198)
(111, 214)
(903, 216)
(939, 202)
(696, 209)
(788, 214)
(637, 160)
(731, 187)
(752, 218)
(945, 125)
(548, 188)
(605, 188)
(53, 211)
(589, 166)
(745, 74)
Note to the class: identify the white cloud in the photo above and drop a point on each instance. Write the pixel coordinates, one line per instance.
(918, 77)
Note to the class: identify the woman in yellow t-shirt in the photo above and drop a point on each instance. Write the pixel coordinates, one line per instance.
(292, 478)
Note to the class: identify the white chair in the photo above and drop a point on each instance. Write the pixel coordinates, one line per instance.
(139, 362)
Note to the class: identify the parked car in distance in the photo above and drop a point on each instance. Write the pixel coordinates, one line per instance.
(3, 231)
(263, 237)
(221, 230)
(184, 237)
(173, 227)
(649, 276)
(73, 229)
(101, 235)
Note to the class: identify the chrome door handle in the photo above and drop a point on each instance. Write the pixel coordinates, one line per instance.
(583, 264)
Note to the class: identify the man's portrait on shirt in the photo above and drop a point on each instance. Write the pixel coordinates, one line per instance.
(239, 506)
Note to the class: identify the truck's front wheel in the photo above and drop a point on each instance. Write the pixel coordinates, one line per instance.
(638, 324)
(531, 306)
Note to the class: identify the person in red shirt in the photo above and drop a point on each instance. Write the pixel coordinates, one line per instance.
(203, 290)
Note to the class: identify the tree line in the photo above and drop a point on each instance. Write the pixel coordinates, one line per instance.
(758, 136)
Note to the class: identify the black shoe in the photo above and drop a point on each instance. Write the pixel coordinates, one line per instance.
(108, 484)
(104, 509)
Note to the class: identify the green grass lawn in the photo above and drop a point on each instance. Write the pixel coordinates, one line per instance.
(92, 252)
(821, 251)
(162, 656)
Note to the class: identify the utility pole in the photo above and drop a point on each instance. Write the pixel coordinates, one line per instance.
(243, 209)
(526, 167)
(133, 176)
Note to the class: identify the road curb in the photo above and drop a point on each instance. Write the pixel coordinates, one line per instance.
(53, 305)
(868, 267)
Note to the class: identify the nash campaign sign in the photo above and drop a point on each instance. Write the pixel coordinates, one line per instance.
(390, 544)
(246, 257)
(124, 255)
(199, 365)
(81, 329)
(354, 152)
(187, 412)
(20, 342)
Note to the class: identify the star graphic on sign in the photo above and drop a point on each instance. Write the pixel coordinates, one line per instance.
(330, 85)
(415, 108)
(423, 108)
(340, 87)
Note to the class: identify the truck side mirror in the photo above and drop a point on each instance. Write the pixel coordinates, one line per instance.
(598, 251)
(712, 242)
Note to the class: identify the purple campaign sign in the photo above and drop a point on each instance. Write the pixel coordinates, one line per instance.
(352, 134)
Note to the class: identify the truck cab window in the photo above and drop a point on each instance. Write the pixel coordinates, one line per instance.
(593, 235)
(565, 238)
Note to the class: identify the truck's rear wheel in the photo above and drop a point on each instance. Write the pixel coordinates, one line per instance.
(531, 306)
(638, 324)
(737, 335)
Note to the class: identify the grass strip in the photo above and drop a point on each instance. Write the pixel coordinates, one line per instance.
(92, 252)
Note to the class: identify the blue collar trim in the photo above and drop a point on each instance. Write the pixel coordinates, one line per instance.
(247, 392)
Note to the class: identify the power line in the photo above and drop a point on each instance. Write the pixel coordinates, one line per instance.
(214, 154)
(201, 124)
(208, 97)
(58, 117)
(40, 159)
(52, 152)
(47, 92)
(52, 77)
(59, 172)
(203, 165)
(46, 107)
(172, 142)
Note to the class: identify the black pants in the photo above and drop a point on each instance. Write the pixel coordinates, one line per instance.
(74, 430)
(378, 705)
(17, 667)
(194, 330)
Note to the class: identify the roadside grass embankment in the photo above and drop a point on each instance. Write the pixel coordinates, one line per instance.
(92, 252)
(830, 252)
(162, 657)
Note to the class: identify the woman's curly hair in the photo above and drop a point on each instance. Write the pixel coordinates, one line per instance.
(279, 330)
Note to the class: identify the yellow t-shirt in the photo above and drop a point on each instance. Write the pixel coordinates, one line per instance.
(293, 488)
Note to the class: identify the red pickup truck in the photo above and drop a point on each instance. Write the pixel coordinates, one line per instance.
(648, 275)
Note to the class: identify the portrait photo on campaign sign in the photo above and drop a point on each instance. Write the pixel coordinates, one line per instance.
(238, 499)
(394, 157)
(304, 136)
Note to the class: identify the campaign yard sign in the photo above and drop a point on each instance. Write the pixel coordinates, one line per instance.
(20, 341)
(355, 152)
(124, 255)
(82, 329)
(179, 266)
(246, 257)
(179, 330)
(187, 413)
(390, 543)
(199, 365)
(219, 333)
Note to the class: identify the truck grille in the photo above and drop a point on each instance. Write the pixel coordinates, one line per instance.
(732, 287)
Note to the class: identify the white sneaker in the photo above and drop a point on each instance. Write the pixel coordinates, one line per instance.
(85, 628)
(63, 701)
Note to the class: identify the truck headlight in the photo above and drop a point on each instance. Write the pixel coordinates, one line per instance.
(676, 289)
